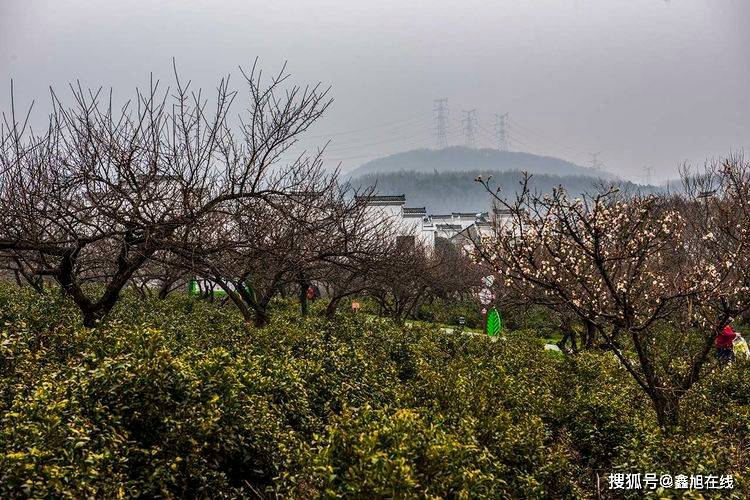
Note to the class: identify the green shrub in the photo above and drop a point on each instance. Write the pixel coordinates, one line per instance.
(448, 312)
(399, 453)
(180, 398)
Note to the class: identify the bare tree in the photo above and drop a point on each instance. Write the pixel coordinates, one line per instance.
(105, 188)
(401, 280)
(357, 247)
(262, 247)
(160, 276)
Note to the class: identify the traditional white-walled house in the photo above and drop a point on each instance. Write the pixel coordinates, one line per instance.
(384, 205)
(457, 228)
(419, 224)
(482, 227)
(467, 238)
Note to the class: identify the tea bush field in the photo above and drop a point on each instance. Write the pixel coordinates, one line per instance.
(181, 398)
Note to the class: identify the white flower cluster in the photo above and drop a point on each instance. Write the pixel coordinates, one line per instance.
(620, 259)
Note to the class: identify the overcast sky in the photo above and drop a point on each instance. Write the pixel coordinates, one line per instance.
(646, 82)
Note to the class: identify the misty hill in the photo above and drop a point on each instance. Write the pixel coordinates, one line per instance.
(446, 192)
(460, 158)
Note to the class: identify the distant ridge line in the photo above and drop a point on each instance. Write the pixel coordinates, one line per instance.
(461, 158)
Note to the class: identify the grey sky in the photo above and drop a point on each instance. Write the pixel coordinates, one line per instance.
(646, 82)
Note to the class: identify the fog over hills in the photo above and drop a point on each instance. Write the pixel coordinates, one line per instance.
(443, 180)
(457, 191)
(460, 158)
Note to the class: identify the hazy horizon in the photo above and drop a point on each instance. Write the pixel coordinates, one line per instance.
(646, 82)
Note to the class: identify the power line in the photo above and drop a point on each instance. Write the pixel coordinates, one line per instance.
(422, 132)
(518, 141)
(548, 143)
(441, 122)
(402, 121)
(501, 131)
(333, 146)
(648, 172)
(544, 138)
(373, 155)
(521, 143)
(491, 138)
(522, 137)
(405, 143)
(470, 124)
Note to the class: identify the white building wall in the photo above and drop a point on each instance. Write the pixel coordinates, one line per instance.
(424, 227)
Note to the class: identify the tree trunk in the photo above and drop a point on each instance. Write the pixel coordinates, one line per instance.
(667, 409)
(261, 318)
(36, 282)
(90, 318)
(568, 334)
(245, 299)
(165, 288)
(332, 307)
(95, 312)
(304, 284)
(590, 334)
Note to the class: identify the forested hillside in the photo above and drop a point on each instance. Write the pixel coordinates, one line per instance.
(457, 191)
(460, 158)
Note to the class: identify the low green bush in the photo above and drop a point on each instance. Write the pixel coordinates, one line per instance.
(448, 312)
(386, 452)
(180, 398)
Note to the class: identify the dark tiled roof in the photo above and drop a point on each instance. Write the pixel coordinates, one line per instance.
(470, 214)
(398, 199)
(445, 227)
(501, 211)
(393, 197)
(415, 210)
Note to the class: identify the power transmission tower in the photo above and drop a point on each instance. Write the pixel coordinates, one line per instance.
(596, 163)
(470, 127)
(441, 122)
(648, 174)
(501, 131)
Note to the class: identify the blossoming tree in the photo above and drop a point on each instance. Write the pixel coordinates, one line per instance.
(629, 266)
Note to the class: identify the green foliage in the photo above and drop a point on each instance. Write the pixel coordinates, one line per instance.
(401, 453)
(180, 398)
(449, 312)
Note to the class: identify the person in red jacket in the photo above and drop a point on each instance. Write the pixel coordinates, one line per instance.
(723, 342)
